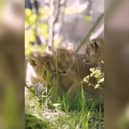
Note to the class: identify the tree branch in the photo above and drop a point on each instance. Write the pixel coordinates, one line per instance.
(90, 32)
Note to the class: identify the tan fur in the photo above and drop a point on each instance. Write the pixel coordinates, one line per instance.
(70, 68)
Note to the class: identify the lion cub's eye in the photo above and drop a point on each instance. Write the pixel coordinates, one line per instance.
(33, 62)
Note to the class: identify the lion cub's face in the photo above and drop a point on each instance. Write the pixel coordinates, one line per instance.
(41, 64)
(45, 63)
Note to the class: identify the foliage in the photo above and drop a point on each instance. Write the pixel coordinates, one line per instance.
(32, 29)
(82, 113)
(32, 122)
(97, 75)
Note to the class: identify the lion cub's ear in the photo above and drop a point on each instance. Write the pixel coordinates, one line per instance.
(34, 60)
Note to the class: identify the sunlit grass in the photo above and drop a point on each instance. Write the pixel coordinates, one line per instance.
(63, 113)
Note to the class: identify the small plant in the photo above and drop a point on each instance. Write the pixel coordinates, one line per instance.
(95, 78)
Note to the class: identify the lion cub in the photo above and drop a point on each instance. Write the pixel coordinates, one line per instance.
(63, 70)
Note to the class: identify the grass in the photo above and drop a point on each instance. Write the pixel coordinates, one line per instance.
(55, 110)
(81, 112)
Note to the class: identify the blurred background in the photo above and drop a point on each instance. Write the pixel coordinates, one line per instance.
(117, 65)
(12, 64)
(73, 20)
